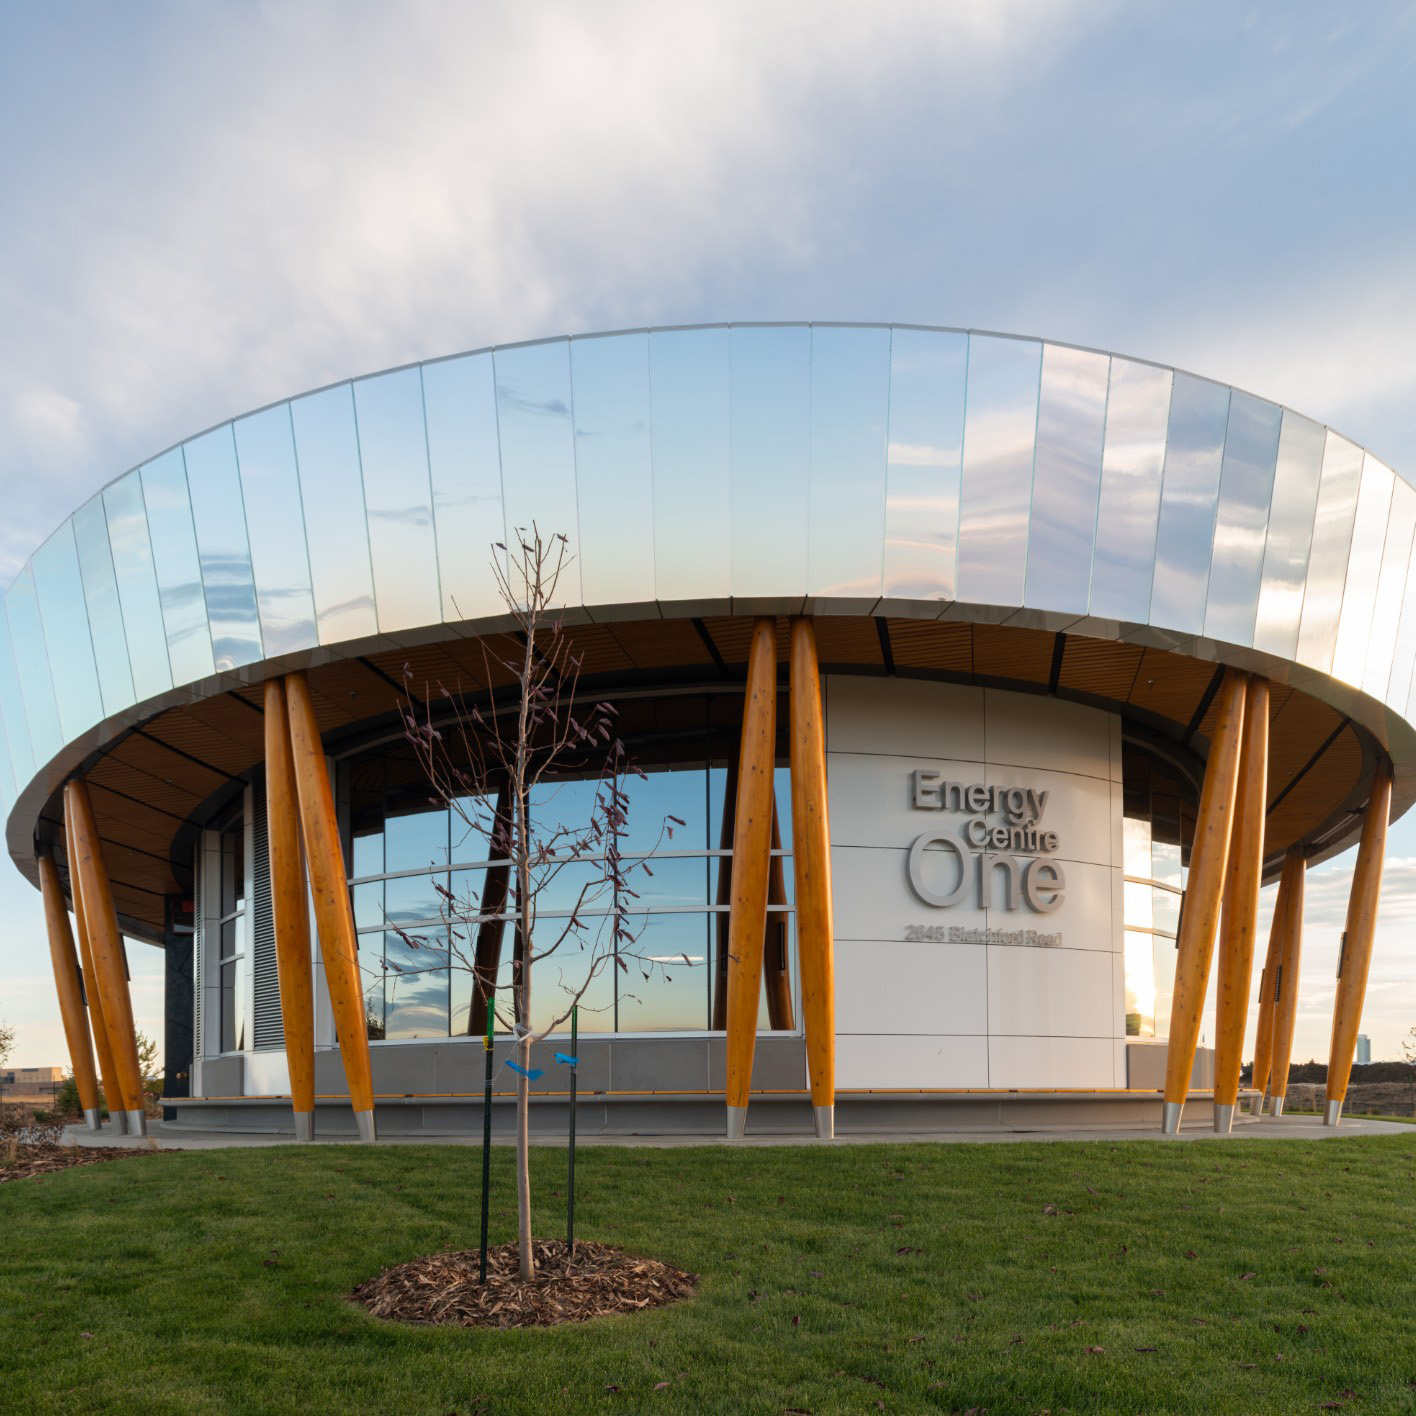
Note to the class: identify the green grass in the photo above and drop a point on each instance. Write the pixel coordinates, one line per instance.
(1267, 1276)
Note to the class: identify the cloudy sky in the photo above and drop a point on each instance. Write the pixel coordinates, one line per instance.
(206, 208)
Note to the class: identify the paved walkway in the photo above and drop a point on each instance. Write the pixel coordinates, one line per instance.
(1300, 1128)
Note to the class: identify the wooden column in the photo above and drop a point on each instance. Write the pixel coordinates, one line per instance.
(1356, 956)
(1240, 919)
(1209, 856)
(112, 1092)
(811, 857)
(752, 846)
(490, 933)
(1284, 986)
(776, 975)
(329, 885)
(110, 978)
(290, 910)
(1273, 958)
(69, 989)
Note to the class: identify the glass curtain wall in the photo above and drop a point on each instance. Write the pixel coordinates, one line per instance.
(1159, 809)
(231, 923)
(420, 871)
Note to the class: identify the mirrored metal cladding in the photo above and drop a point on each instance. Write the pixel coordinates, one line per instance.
(885, 469)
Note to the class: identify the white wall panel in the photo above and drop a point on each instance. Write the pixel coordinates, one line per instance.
(1050, 993)
(903, 1062)
(926, 719)
(1051, 1062)
(1023, 731)
(897, 987)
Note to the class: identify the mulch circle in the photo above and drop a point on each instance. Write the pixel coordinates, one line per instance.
(593, 1281)
(46, 1159)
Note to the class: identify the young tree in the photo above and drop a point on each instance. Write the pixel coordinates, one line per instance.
(493, 767)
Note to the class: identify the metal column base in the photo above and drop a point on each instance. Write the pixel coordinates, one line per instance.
(305, 1126)
(120, 1122)
(1276, 1106)
(1256, 1106)
(1223, 1119)
(1333, 1114)
(1170, 1118)
(737, 1122)
(137, 1123)
(825, 1118)
(91, 1119)
(364, 1120)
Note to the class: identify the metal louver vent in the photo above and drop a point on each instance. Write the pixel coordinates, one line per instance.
(269, 1028)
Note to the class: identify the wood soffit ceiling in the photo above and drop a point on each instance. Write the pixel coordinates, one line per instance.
(147, 785)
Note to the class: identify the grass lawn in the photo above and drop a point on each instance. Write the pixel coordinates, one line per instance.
(1249, 1276)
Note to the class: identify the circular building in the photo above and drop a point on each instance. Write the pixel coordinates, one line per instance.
(985, 678)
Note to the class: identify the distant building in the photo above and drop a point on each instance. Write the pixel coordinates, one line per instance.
(31, 1078)
(1364, 1049)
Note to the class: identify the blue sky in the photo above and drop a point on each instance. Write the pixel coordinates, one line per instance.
(210, 207)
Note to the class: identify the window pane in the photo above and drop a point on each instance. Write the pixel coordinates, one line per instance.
(1241, 523)
(233, 1006)
(67, 635)
(393, 453)
(32, 664)
(409, 898)
(275, 523)
(219, 515)
(131, 544)
(666, 986)
(371, 976)
(1071, 421)
(1327, 563)
(612, 472)
(928, 370)
(179, 570)
(110, 644)
(1140, 985)
(690, 423)
(416, 1004)
(771, 442)
(1000, 430)
(1359, 593)
(1199, 413)
(558, 978)
(850, 401)
(417, 840)
(1290, 534)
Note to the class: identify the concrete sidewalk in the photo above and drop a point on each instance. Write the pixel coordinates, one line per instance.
(1298, 1128)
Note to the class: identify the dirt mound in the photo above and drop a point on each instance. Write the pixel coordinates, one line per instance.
(592, 1281)
(19, 1161)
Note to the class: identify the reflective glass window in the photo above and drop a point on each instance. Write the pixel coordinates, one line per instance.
(1241, 524)
(7, 772)
(67, 636)
(398, 494)
(179, 571)
(275, 525)
(538, 448)
(614, 480)
(1290, 534)
(1369, 535)
(850, 410)
(1327, 562)
(131, 545)
(771, 445)
(1071, 426)
(231, 933)
(1000, 432)
(1404, 653)
(336, 529)
(12, 706)
(1391, 589)
(105, 614)
(219, 515)
(416, 984)
(689, 427)
(1194, 452)
(1159, 803)
(460, 403)
(32, 664)
(928, 378)
(1132, 461)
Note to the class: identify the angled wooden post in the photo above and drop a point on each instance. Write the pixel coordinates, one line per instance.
(811, 859)
(1273, 959)
(1356, 957)
(1240, 918)
(490, 933)
(1209, 856)
(101, 1043)
(290, 911)
(106, 944)
(329, 886)
(1285, 980)
(752, 847)
(69, 989)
